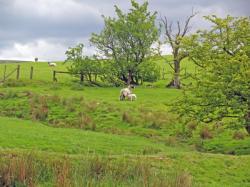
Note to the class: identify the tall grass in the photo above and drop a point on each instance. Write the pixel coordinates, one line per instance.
(32, 170)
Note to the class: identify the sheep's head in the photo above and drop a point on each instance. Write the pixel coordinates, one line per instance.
(131, 86)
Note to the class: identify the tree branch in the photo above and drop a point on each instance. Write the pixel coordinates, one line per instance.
(186, 27)
(168, 30)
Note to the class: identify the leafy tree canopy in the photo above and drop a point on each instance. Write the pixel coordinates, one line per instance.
(127, 39)
(221, 88)
(80, 63)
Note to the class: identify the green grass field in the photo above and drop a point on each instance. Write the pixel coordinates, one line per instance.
(42, 124)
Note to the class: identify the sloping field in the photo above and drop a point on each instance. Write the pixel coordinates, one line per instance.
(22, 136)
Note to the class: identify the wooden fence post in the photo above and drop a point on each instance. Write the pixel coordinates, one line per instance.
(31, 72)
(18, 72)
(54, 76)
(4, 73)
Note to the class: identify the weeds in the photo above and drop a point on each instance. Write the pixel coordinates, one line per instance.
(20, 171)
(13, 83)
(30, 170)
(171, 141)
(39, 109)
(62, 173)
(9, 94)
(91, 106)
(127, 117)
(155, 119)
(192, 125)
(150, 150)
(86, 122)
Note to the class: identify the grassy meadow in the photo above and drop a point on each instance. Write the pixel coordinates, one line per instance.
(66, 134)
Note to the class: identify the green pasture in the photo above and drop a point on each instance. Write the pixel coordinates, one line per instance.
(84, 121)
(43, 72)
(22, 134)
(47, 143)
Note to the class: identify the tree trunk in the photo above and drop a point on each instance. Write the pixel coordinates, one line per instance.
(81, 78)
(124, 78)
(175, 82)
(129, 77)
(90, 78)
(247, 118)
(136, 80)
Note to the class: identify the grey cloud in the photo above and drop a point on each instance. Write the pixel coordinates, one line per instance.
(68, 22)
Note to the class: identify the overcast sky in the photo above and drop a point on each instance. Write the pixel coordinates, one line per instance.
(46, 28)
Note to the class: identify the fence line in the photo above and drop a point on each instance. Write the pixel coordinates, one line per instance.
(66, 72)
(18, 72)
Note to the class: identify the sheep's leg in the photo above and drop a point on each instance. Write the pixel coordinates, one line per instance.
(121, 97)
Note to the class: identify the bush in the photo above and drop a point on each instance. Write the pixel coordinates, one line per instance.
(149, 71)
(239, 135)
(191, 125)
(205, 133)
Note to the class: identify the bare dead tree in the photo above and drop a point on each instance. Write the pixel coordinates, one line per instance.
(174, 39)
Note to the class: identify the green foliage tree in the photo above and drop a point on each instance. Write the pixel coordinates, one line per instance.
(221, 87)
(149, 71)
(90, 67)
(127, 40)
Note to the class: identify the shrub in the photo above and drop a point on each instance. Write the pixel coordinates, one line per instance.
(149, 71)
(239, 135)
(191, 125)
(205, 133)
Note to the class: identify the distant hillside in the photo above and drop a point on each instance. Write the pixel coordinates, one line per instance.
(12, 61)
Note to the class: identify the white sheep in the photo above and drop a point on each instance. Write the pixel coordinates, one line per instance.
(52, 64)
(125, 92)
(132, 97)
